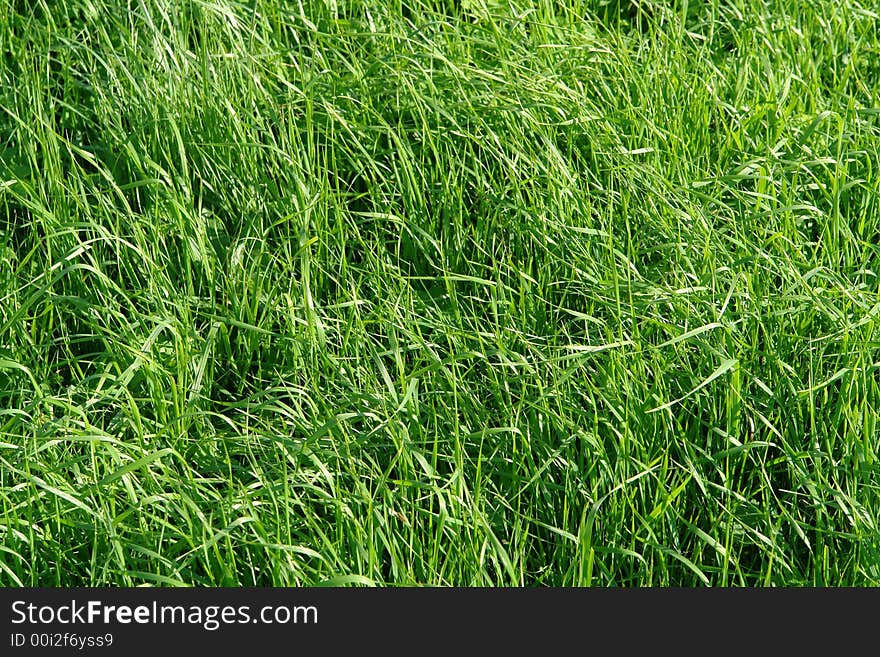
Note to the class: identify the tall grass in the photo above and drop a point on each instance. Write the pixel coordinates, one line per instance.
(471, 293)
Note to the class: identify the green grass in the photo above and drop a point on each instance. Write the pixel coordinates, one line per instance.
(471, 293)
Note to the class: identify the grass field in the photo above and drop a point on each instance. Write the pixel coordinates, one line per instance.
(464, 293)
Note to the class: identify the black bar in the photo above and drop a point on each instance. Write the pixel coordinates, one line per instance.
(418, 620)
